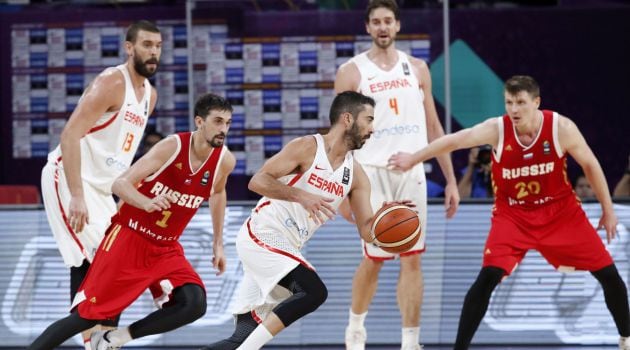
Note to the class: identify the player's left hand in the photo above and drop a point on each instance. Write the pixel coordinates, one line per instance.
(609, 222)
(401, 161)
(218, 259)
(451, 199)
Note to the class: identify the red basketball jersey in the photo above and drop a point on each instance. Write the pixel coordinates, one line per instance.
(176, 177)
(533, 175)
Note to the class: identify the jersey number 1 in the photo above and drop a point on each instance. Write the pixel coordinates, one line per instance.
(393, 104)
(165, 215)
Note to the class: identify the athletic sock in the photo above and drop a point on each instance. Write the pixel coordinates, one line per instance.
(87, 344)
(356, 321)
(259, 337)
(410, 336)
(118, 337)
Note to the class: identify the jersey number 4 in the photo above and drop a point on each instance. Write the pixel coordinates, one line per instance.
(393, 104)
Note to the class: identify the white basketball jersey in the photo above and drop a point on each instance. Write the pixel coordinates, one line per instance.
(107, 150)
(399, 118)
(290, 218)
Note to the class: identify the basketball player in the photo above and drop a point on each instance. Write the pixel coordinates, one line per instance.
(404, 119)
(141, 245)
(302, 186)
(535, 207)
(97, 144)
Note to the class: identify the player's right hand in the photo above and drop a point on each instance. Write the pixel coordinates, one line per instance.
(318, 207)
(77, 213)
(159, 203)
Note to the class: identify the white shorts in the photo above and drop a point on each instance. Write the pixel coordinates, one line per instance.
(388, 185)
(75, 247)
(267, 258)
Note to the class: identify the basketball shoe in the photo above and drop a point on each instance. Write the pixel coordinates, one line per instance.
(100, 342)
(624, 343)
(355, 338)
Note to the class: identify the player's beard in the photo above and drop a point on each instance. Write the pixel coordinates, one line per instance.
(353, 137)
(216, 141)
(383, 44)
(141, 66)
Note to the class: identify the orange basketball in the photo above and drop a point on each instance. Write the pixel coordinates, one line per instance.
(396, 228)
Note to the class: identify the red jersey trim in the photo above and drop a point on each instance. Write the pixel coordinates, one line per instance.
(65, 217)
(275, 250)
(104, 125)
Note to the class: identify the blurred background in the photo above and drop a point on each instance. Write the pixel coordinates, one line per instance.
(275, 60)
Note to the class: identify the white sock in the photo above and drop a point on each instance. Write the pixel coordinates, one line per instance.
(87, 344)
(356, 320)
(410, 336)
(259, 337)
(119, 337)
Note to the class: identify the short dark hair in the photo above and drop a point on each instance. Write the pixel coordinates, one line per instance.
(135, 27)
(209, 102)
(519, 83)
(348, 102)
(388, 4)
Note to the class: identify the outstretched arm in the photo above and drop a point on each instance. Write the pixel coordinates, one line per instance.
(295, 158)
(572, 141)
(217, 203)
(486, 132)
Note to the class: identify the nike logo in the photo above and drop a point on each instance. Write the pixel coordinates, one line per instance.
(370, 78)
(317, 167)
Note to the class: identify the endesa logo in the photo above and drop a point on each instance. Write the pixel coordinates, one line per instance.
(397, 130)
(116, 164)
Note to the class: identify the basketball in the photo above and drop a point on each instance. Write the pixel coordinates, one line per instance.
(396, 228)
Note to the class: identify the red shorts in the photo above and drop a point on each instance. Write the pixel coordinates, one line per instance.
(560, 231)
(125, 265)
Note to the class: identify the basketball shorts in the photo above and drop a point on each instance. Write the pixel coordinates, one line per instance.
(75, 246)
(125, 265)
(561, 232)
(267, 257)
(388, 185)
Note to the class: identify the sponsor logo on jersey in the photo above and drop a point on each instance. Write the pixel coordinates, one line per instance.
(397, 130)
(530, 170)
(182, 199)
(528, 156)
(546, 148)
(346, 176)
(325, 185)
(178, 166)
(317, 167)
(187, 182)
(508, 148)
(204, 180)
(116, 164)
(405, 68)
(400, 83)
(134, 119)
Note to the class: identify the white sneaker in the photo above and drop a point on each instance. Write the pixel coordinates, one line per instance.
(100, 342)
(412, 347)
(624, 343)
(355, 338)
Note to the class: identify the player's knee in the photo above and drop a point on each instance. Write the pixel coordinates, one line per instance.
(486, 281)
(320, 295)
(192, 299)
